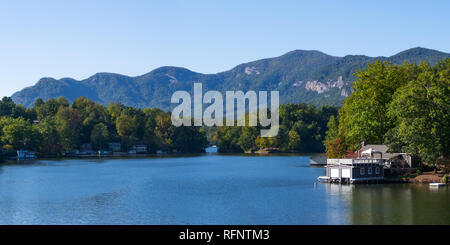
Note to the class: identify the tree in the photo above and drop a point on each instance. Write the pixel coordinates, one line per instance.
(114, 110)
(265, 142)
(247, 138)
(99, 136)
(164, 128)
(294, 140)
(188, 139)
(302, 128)
(48, 137)
(16, 132)
(69, 127)
(50, 107)
(363, 114)
(421, 110)
(332, 132)
(126, 128)
(336, 148)
(63, 127)
(227, 139)
(90, 113)
(150, 138)
(67, 135)
(6, 106)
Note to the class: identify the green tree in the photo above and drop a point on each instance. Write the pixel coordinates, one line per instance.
(151, 138)
(265, 142)
(363, 114)
(50, 107)
(247, 138)
(16, 132)
(114, 110)
(68, 139)
(6, 106)
(49, 139)
(188, 139)
(99, 136)
(69, 127)
(421, 110)
(164, 129)
(227, 139)
(126, 128)
(332, 132)
(90, 113)
(294, 140)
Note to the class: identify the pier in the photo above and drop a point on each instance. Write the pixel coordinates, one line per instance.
(357, 170)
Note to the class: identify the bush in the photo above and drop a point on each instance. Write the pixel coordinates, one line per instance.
(8, 148)
(418, 171)
(445, 179)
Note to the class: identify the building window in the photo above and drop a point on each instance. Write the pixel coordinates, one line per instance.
(377, 170)
(369, 171)
(361, 171)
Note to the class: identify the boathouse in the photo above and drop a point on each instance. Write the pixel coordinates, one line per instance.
(357, 170)
(365, 165)
(24, 154)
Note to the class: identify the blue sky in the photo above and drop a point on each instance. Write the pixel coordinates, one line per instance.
(79, 38)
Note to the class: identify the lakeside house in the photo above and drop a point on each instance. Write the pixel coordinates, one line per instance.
(139, 148)
(115, 149)
(368, 164)
(86, 150)
(391, 160)
(24, 154)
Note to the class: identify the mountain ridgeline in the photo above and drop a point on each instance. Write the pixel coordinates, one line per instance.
(301, 76)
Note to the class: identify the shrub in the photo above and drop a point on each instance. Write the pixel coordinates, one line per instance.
(418, 171)
(445, 178)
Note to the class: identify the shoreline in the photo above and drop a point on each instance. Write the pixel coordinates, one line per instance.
(405, 178)
(151, 155)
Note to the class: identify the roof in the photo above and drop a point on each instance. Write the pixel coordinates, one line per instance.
(381, 148)
(369, 149)
(390, 155)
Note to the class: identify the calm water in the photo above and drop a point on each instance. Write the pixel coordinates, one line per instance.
(204, 189)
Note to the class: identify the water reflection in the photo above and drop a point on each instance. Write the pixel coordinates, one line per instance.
(387, 204)
(338, 197)
(399, 204)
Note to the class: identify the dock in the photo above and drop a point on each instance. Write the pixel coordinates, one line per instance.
(437, 185)
(24, 155)
(318, 160)
(356, 170)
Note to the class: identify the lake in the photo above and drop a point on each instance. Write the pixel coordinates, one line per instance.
(205, 189)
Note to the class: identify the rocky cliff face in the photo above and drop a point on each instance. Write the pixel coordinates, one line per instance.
(321, 87)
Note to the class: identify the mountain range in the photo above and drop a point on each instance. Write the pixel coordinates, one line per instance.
(300, 76)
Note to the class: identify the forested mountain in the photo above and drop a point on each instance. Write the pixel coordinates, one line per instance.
(300, 76)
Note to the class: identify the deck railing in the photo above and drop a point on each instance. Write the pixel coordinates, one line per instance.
(351, 161)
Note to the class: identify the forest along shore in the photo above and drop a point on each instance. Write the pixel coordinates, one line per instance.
(57, 128)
